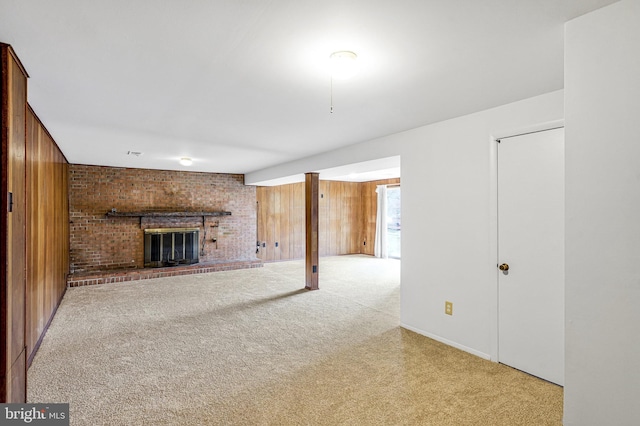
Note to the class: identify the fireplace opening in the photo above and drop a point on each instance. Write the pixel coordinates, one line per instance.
(170, 247)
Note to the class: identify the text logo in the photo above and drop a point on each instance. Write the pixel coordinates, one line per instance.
(34, 414)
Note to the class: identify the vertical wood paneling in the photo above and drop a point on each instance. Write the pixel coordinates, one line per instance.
(35, 232)
(334, 218)
(347, 216)
(261, 217)
(323, 219)
(342, 218)
(342, 227)
(297, 221)
(277, 218)
(284, 236)
(16, 262)
(369, 209)
(35, 243)
(13, 246)
(47, 230)
(354, 219)
(269, 224)
(267, 233)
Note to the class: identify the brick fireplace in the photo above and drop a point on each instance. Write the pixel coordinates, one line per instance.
(112, 210)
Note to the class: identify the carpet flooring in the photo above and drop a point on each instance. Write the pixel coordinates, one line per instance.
(251, 347)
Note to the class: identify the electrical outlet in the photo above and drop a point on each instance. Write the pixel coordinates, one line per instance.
(448, 308)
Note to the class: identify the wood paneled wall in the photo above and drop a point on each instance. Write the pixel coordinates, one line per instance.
(340, 209)
(281, 220)
(347, 219)
(13, 226)
(35, 229)
(47, 230)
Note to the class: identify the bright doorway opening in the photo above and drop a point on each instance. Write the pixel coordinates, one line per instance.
(394, 222)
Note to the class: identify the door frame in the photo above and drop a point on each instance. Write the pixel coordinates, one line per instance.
(493, 226)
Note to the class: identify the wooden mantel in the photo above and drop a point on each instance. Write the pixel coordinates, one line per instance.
(166, 214)
(203, 215)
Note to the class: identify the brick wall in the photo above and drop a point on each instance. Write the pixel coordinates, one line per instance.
(100, 243)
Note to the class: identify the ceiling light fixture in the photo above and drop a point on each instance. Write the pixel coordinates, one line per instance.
(186, 161)
(342, 65)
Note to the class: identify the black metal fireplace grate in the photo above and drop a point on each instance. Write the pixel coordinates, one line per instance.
(171, 247)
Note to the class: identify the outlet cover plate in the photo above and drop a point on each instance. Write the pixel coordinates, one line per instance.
(448, 308)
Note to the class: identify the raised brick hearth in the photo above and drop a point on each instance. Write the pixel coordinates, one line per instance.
(124, 275)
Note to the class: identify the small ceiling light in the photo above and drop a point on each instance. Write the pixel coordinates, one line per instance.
(343, 64)
(186, 161)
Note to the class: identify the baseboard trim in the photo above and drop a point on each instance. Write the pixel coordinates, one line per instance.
(447, 342)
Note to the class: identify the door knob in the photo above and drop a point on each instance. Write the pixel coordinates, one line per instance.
(503, 267)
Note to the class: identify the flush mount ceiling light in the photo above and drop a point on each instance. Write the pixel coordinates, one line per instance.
(344, 64)
(186, 161)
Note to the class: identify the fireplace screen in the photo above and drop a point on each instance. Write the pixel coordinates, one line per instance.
(170, 247)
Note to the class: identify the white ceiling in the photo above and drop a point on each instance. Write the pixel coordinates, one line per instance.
(243, 85)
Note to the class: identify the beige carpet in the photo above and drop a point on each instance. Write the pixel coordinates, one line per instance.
(249, 347)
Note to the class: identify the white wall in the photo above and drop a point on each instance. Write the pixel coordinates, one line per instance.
(602, 88)
(449, 222)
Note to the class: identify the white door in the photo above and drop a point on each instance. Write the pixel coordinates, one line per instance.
(531, 243)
